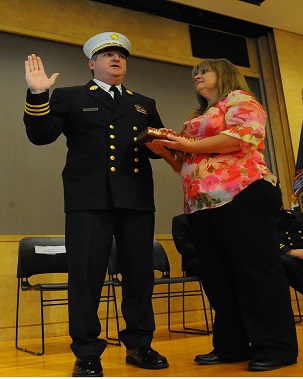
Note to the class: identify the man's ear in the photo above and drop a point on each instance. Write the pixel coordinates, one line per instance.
(91, 64)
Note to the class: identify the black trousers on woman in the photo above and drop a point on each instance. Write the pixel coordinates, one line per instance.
(243, 276)
(89, 237)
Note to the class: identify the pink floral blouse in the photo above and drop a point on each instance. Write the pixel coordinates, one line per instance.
(212, 180)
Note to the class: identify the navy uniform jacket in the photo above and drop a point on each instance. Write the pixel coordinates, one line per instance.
(104, 167)
(290, 230)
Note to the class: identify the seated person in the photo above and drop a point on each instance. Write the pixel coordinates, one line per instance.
(291, 246)
(184, 246)
(290, 229)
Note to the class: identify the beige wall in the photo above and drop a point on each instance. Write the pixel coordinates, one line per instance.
(74, 21)
(166, 77)
(290, 56)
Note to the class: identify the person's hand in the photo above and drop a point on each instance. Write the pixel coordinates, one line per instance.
(178, 143)
(157, 147)
(297, 253)
(35, 75)
(167, 130)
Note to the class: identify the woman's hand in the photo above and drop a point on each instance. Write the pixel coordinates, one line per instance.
(220, 143)
(297, 253)
(157, 146)
(179, 143)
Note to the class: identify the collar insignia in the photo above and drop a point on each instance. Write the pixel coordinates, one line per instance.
(93, 88)
(129, 92)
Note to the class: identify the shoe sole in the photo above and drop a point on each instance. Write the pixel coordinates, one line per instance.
(264, 368)
(92, 376)
(132, 361)
(207, 363)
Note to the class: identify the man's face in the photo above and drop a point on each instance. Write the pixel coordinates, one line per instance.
(109, 66)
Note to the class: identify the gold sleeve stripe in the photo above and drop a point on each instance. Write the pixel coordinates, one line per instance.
(36, 114)
(37, 110)
(38, 106)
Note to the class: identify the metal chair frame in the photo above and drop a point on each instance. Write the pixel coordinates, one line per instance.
(25, 285)
(298, 317)
(161, 263)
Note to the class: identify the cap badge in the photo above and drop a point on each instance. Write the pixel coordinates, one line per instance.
(93, 88)
(129, 92)
(114, 36)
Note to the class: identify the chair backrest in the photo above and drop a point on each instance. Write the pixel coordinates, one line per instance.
(160, 259)
(30, 263)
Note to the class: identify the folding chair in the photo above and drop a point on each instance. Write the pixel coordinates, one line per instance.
(31, 263)
(111, 284)
(161, 263)
(195, 278)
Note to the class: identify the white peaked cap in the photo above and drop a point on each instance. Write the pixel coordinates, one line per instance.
(104, 40)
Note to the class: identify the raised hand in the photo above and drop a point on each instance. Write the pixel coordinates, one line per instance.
(35, 75)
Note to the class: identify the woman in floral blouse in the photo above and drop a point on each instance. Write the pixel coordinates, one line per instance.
(232, 203)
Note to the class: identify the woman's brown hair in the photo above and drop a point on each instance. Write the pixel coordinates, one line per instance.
(229, 79)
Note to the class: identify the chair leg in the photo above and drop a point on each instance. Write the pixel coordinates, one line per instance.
(211, 317)
(185, 328)
(17, 316)
(299, 309)
(198, 331)
(208, 330)
(42, 322)
(118, 343)
(17, 324)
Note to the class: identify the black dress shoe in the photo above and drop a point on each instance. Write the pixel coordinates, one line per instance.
(212, 359)
(89, 365)
(146, 357)
(208, 359)
(264, 365)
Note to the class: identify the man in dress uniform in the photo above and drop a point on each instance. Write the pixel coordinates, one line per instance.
(291, 246)
(108, 191)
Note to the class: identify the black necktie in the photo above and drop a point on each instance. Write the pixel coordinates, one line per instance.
(117, 95)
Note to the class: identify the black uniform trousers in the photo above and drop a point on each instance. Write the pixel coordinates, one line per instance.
(88, 243)
(243, 276)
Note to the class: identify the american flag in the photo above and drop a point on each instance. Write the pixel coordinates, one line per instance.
(298, 181)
